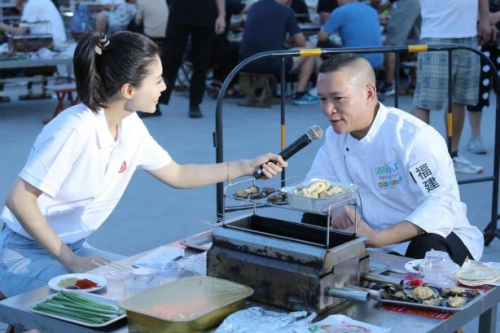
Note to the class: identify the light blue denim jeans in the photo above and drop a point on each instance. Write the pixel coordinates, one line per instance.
(25, 265)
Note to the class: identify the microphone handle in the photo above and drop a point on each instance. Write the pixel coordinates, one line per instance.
(295, 147)
(288, 152)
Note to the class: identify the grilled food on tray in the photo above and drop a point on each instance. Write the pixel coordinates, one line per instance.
(319, 188)
(430, 296)
(244, 194)
(423, 293)
(253, 192)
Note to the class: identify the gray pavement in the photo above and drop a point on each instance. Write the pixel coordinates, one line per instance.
(151, 214)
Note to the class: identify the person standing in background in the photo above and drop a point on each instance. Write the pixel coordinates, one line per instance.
(475, 144)
(198, 20)
(404, 24)
(451, 22)
(153, 15)
(225, 53)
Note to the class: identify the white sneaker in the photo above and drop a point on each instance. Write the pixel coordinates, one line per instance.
(463, 165)
(476, 146)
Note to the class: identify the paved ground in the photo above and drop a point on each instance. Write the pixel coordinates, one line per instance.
(151, 214)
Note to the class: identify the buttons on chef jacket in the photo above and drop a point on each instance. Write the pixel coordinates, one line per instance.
(346, 148)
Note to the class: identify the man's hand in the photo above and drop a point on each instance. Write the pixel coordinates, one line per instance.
(484, 32)
(347, 219)
(494, 34)
(220, 24)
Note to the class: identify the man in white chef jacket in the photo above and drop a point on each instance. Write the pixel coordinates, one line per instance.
(407, 190)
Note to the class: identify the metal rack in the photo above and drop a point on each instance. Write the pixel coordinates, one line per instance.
(259, 203)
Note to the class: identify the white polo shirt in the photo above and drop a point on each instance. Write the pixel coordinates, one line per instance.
(404, 172)
(83, 172)
(44, 10)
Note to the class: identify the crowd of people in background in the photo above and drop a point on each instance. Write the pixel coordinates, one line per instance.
(197, 31)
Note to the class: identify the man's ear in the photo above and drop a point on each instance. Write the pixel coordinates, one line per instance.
(127, 91)
(371, 93)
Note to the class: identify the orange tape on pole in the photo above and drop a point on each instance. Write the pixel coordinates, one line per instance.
(310, 52)
(283, 131)
(418, 48)
(449, 120)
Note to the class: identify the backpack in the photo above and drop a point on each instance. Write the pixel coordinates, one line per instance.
(80, 22)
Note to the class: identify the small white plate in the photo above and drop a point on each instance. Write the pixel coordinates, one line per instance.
(76, 321)
(412, 266)
(101, 282)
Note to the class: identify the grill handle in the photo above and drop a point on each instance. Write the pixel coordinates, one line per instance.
(377, 278)
(349, 294)
(372, 294)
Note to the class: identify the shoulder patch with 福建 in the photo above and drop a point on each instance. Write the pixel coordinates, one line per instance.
(427, 177)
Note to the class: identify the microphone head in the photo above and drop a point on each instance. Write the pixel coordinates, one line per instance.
(315, 132)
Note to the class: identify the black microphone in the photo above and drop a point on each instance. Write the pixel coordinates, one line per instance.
(312, 134)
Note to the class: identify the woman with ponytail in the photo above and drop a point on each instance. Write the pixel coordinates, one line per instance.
(83, 160)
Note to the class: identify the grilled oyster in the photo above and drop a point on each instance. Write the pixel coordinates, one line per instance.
(423, 293)
(456, 302)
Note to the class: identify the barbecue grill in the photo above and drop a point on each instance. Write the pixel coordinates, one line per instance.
(290, 265)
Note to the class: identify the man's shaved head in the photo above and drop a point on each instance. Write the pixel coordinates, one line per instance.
(361, 69)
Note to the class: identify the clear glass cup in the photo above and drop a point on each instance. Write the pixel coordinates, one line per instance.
(170, 272)
(438, 269)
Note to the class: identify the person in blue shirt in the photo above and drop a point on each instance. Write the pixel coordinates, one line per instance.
(358, 26)
(269, 25)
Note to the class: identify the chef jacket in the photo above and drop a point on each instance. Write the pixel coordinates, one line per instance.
(404, 173)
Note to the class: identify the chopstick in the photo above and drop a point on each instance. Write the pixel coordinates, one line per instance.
(114, 265)
(211, 224)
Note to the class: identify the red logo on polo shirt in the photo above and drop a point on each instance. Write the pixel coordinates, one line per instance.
(123, 167)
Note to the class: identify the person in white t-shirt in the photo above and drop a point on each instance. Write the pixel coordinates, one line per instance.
(39, 17)
(408, 195)
(153, 14)
(83, 160)
(452, 22)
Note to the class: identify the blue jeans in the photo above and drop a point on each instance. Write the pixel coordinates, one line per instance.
(25, 265)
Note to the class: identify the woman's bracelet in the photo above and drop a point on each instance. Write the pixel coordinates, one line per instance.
(229, 181)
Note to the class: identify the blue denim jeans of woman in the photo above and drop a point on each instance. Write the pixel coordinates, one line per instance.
(25, 265)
